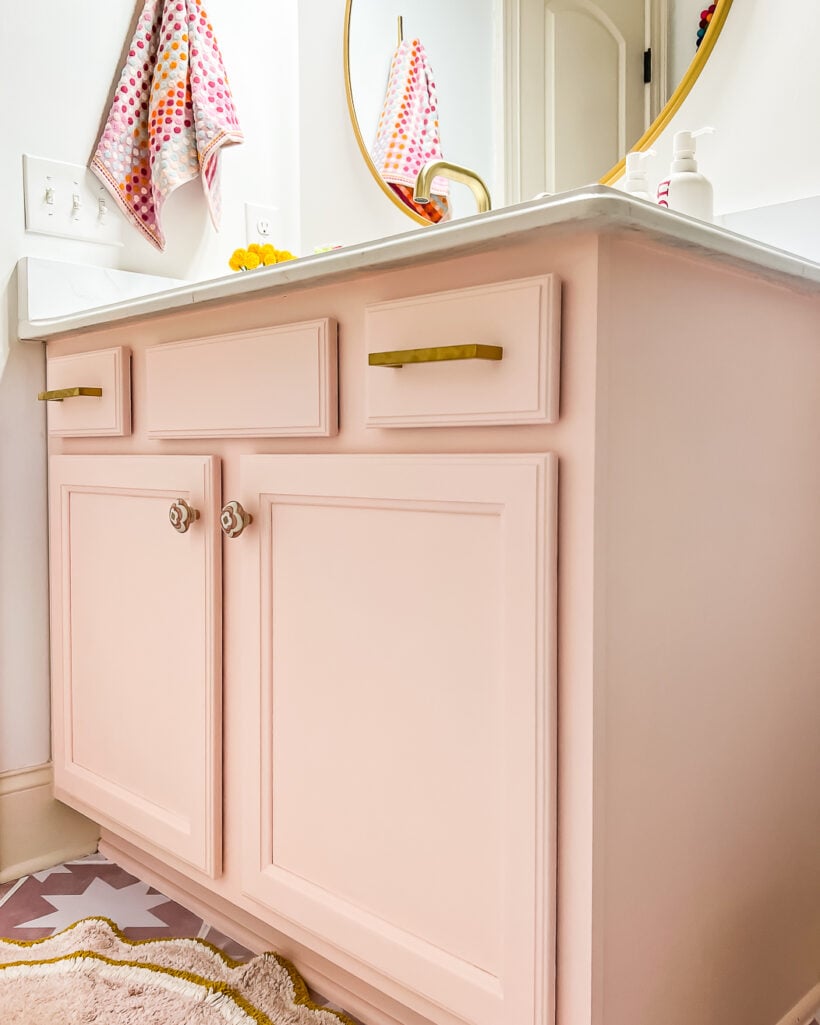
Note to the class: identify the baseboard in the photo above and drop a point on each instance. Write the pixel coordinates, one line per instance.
(805, 1012)
(37, 831)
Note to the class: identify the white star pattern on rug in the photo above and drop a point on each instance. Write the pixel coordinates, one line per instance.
(129, 907)
(57, 870)
(89, 859)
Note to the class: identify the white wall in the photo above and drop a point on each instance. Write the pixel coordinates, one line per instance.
(684, 18)
(758, 90)
(58, 65)
(24, 679)
(52, 107)
(62, 80)
(258, 43)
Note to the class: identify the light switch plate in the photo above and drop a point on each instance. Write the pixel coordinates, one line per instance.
(68, 201)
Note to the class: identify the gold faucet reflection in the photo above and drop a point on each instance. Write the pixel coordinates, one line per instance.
(424, 182)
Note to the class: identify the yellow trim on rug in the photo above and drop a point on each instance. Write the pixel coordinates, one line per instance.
(301, 993)
(300, 990)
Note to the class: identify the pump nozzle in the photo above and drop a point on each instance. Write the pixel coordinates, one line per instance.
(635, 159)
(683, 145)
(635, 180)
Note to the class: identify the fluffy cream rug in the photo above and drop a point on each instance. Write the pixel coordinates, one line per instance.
(90, 973)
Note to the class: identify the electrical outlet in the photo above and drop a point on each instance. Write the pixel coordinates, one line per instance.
(263, 224)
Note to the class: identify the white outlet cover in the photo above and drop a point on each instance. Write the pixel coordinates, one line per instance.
(255, 217)
(60, 217)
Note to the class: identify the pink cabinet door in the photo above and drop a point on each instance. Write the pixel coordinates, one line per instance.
(398, 645)
(136, 649)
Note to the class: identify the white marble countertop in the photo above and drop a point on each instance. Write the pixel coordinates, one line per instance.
(595, 208)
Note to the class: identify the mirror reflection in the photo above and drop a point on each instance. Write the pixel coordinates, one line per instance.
(533, 96)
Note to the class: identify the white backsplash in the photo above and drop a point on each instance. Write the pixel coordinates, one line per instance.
(51, 288)
(793, 226)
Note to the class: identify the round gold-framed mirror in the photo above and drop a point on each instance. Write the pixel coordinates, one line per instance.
(492, 120)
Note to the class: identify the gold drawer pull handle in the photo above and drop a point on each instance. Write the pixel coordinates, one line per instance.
(435, 355)
(234, 519)
(182, 515)
(67, 393)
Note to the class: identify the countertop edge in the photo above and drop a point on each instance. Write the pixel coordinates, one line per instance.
(599, 209)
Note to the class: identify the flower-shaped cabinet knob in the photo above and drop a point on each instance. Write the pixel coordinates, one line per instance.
(234, 519)
(182, 515)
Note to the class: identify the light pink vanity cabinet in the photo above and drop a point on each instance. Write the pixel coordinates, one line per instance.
(389, 648)
(462, 688)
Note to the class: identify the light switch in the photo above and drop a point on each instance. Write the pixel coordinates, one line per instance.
(68, 201)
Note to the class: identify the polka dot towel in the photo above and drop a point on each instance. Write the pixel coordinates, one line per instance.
(171, 115)
(408, 132)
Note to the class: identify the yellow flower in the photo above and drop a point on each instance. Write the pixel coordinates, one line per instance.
(237, 260)
(270, 255)
(256, 256)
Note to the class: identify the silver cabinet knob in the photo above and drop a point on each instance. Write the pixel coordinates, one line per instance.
(182, 515)
(234, 519)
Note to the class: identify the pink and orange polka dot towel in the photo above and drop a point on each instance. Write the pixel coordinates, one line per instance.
(408, 132)
(171, 115)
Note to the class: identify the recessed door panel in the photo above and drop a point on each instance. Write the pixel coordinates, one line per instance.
(136, 648)
(400, 627)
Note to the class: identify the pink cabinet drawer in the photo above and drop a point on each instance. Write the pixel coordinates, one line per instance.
(461, 378)
(106, 415)
(268, 383)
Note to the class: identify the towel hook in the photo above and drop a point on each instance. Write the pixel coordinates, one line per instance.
(401, 30)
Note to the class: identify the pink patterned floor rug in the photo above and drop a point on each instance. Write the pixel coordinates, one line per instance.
(91, 972)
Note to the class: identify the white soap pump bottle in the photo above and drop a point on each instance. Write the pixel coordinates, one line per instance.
(635, 180)
(686, 190)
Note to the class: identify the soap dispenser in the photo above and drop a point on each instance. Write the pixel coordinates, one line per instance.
(635, 180)
(686, 190)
